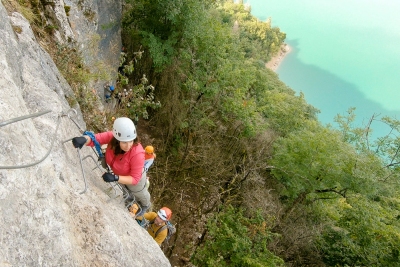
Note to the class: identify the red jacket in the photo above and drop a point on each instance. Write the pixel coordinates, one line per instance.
(128, 164)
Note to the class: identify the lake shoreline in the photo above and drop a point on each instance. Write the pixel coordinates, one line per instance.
(275, 61)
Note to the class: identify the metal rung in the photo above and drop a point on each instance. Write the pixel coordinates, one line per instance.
(114, 186)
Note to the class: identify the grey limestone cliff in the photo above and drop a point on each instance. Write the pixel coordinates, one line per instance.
(44, 218)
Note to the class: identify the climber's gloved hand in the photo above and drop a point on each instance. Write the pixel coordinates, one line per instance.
(108, 177)
(79, 142)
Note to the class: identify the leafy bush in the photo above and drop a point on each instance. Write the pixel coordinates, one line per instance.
(235, 240)
(366, 234)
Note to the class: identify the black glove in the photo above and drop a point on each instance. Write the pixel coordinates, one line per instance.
(79, 142)
(108, 177)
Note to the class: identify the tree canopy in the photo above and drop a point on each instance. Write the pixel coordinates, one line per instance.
(226, 125)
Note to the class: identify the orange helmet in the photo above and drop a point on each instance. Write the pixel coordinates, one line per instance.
(164, 213)
(149, 149)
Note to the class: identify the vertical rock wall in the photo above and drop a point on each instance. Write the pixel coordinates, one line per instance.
(96, 25)
(44, 220)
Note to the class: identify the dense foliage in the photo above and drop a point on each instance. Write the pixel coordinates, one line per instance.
(228, 132)
(235, 240)
(253, 178)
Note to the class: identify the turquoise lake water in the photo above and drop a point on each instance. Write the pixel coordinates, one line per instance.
(344, 54)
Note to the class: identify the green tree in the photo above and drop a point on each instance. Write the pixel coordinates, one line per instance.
(366, 233)
(386, 147)
(315, 162)
(235, 240)
(335, 174)
(286, 112)
(162, 25)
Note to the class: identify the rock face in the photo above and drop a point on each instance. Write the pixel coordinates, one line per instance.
(44, 220)
(96, 27)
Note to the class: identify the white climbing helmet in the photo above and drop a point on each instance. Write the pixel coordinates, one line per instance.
(164, 213)
(124, 130)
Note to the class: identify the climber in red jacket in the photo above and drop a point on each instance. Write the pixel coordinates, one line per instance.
(125, 156)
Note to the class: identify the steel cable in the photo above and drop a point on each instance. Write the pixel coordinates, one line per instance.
(52, 142)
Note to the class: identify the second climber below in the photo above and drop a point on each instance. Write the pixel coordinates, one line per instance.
(125, 156)
(157, 223)
(149, 157)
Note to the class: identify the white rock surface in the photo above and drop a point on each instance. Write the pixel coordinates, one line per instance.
(44, 220)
